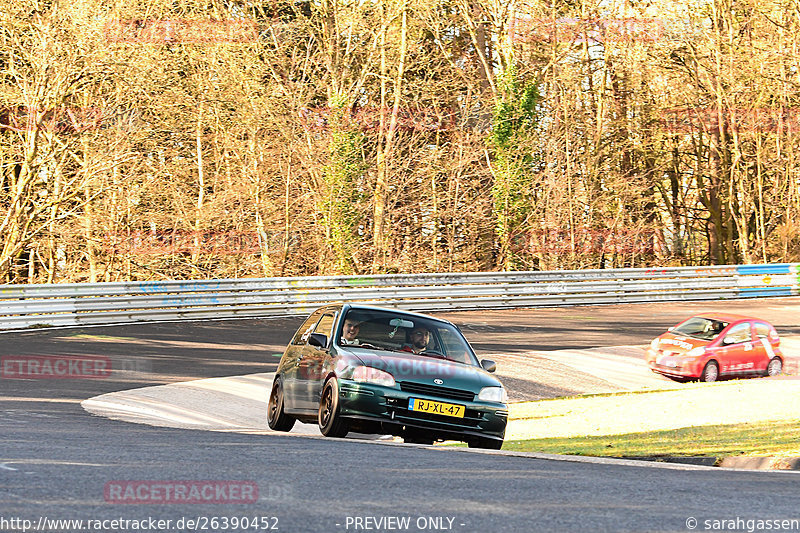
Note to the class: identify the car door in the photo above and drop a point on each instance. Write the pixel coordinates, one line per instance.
(290, 363)
(738, 350)
(762, 341)
(311, 365)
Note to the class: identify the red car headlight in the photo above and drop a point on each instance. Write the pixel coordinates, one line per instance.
(696, 352)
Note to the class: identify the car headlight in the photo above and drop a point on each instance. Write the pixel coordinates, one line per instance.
(493, 394)
(654, 344)
(696, 352)
(367, 374)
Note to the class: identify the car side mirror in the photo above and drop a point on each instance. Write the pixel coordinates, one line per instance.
(489, 366)
(670, 328)
(729, 339)
(318, 339)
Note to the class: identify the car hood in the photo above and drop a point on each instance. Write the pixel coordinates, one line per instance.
(679, 344)
(424, 369)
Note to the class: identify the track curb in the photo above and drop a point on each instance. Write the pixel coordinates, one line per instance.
(739, 463)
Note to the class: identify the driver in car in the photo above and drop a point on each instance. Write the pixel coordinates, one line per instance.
(419, 339)
(350, 331)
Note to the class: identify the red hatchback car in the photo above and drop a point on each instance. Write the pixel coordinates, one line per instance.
(712, 345)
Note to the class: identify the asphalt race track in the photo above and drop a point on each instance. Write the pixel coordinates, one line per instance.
(57, 462)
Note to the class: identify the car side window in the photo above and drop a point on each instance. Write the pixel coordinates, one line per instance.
(762, 330)
(738, 333)
(306, 329)
(325, 325)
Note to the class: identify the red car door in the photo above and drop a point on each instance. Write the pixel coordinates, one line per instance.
(763, 335)
(738, 352)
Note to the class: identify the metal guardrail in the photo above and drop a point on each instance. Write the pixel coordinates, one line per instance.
(23, 306)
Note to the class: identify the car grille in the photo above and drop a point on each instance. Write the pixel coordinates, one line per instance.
(401, 413)
(433, 390)
(471, 418)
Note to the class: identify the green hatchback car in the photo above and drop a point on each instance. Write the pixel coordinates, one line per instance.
(384, 371)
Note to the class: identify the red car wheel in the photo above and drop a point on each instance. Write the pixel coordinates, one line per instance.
(775, 367)
(710, 372)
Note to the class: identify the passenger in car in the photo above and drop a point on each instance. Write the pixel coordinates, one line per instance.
(418, 339)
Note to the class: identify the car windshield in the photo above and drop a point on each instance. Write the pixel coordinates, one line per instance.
(399, 332)
(700, 328)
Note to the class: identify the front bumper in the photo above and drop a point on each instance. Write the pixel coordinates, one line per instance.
(389, 408)
(674, 365)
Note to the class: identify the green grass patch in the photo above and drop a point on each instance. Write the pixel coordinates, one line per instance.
(773, 438)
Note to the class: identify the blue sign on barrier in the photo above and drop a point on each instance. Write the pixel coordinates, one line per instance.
(190, 300)
(150, 286)
(170, 286)
(755, 270)
(758, 292)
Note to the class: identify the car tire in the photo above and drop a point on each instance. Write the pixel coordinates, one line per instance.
(276, 419)
(486, 443)
(331, 424)
(710, 372)
(774, 368)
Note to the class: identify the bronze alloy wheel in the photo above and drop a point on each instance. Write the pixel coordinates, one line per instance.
(330, 423)
(276, 418)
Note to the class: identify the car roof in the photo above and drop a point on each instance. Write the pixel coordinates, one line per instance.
(727, 317)
(394, 310)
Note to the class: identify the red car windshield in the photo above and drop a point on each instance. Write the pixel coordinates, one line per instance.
(706, 329)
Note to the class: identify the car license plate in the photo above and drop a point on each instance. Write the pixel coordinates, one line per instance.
(667, 361)
(438, 408)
